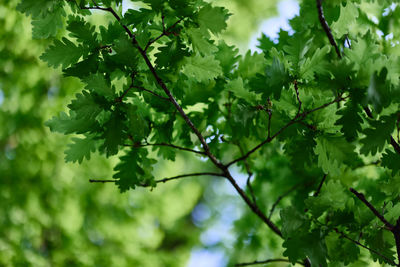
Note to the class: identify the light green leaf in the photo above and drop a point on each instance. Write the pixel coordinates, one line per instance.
(201, 68)
(237, 88)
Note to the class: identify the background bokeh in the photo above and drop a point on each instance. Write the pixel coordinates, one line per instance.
(50, 215)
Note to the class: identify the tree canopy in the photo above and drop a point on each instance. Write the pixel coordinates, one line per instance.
(311, 121)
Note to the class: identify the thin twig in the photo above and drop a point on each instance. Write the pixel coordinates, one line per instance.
(168, 145)
(320, 185)
(165, 179)
(326, 28)
(102, 181)
(151, 92)
(250, 174)
(281, 197)
(361, 197)
(189, 175)
(165, 32)
(206, 148)
(252, 205)
(296, 119)
(364, 246)
(264, 262)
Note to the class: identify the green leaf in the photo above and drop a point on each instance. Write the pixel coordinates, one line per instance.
(134, 169)
(311, 245)
(334, 153)
(393, 212)
(391, 160)
(49, 25)
(67, 124)
(126, 54)
(377, 136)
(251, 64)
(62, 53)
(227, 56)
(82, 31)
(346, 20)
(297, 48)
(293, 222)
(236, 86)
(85, 106)
(201, 68)
(277, 77)
(213, 18)
(170, 54)
(314, 65)
(332, 196)
(350, 121)
(200, 42)
(341, 249)
(113, 134)
(80, 149)
(38, 8)
(97, 83)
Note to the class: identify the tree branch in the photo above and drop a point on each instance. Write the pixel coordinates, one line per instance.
(252, 205)
(250, 174)
(265, 262)
(165, 32)
(361, 197)
(396, 234)
(168, 145)
(206, 148)
(296, 119)
(395, 145)
(165, 179)
(364, 246)
(281, 197)
(326, 28)
(320, 185)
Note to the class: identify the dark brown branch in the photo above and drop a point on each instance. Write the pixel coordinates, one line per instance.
(396, 234)
(326, 28)
(189, 175)
(250, 174)
(165, 32)
(296, 119)
(168, 145)
(248, 182)
(395, 145)
(151, 92)
(364, 246)
(165, 179)
(265, 262)
(361, 197)
(206, 148)
(252, 205)
(102, 181)
(320, 185)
